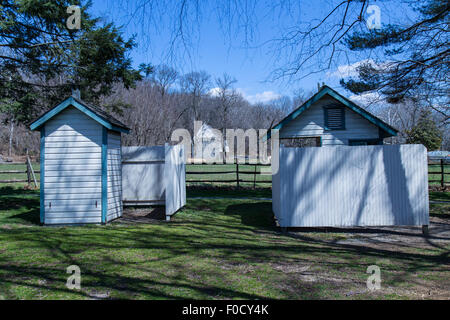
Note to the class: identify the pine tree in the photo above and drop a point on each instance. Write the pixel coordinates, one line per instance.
(417, 56)
(425, 132)
(42, 60)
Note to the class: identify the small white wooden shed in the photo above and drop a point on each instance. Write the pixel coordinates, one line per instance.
(80, 164)
(330, 119)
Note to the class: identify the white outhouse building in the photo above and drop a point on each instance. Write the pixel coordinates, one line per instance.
(80, 164)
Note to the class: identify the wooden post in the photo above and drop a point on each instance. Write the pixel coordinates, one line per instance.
(442, 174)
(28, 169)
(254, 176)
(425, 231)
(32, 171)
(237, 172)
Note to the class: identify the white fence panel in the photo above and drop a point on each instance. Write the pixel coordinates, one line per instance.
(154, 176)
(175, 178)
(143, 175)
(352, 186)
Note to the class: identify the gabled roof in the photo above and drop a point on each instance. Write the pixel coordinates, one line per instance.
(93, 112)
(325, 90)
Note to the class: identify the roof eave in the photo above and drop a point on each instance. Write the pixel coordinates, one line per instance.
(390, 131)
(37, 124)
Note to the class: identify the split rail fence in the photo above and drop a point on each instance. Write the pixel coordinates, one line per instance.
(232, 174)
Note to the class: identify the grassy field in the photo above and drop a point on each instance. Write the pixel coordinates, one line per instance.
(213, 249)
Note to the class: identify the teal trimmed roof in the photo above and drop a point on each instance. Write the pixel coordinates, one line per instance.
(325, 90)
(93, 112)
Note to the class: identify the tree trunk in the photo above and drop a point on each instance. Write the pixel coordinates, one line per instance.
(11, 137)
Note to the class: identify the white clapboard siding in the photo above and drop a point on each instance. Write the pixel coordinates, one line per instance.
(93, 135)
(68, 162)
(73, 220)
(94, 155)
(345, 186)
(114, 189)
(75, 138)
(74, 173)
(71, 150)
(73, 196)
(72, 189)
(311, 124)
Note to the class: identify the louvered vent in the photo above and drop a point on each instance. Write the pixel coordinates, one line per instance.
(334, 118)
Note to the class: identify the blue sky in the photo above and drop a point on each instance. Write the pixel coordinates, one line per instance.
(217, 52)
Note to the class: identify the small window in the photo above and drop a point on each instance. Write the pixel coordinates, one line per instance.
(334, 118)
(301, 142)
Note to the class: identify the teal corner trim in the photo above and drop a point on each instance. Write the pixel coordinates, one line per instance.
(104, 174)
(42, 177)
(72, 102)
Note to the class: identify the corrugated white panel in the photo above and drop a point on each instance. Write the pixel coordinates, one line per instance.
(346, 186)
(175, 179)
(311, 123)
(72, 169)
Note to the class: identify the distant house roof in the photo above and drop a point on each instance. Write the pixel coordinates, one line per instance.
(91, 111)
(325, 90)
(439, 155)
(206, 132)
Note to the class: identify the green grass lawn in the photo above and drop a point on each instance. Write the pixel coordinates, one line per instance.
(213, 249)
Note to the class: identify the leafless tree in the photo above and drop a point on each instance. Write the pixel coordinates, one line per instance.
(164, 77)
(195, 85)
(227, 96)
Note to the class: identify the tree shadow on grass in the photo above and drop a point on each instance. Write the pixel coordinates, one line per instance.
(257, 214)
(9, 191)
(31, 216)
(16, 199)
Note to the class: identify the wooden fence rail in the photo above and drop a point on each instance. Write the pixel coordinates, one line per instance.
(29, 171)
(442, 165)
(433, 166)
(238, 179)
